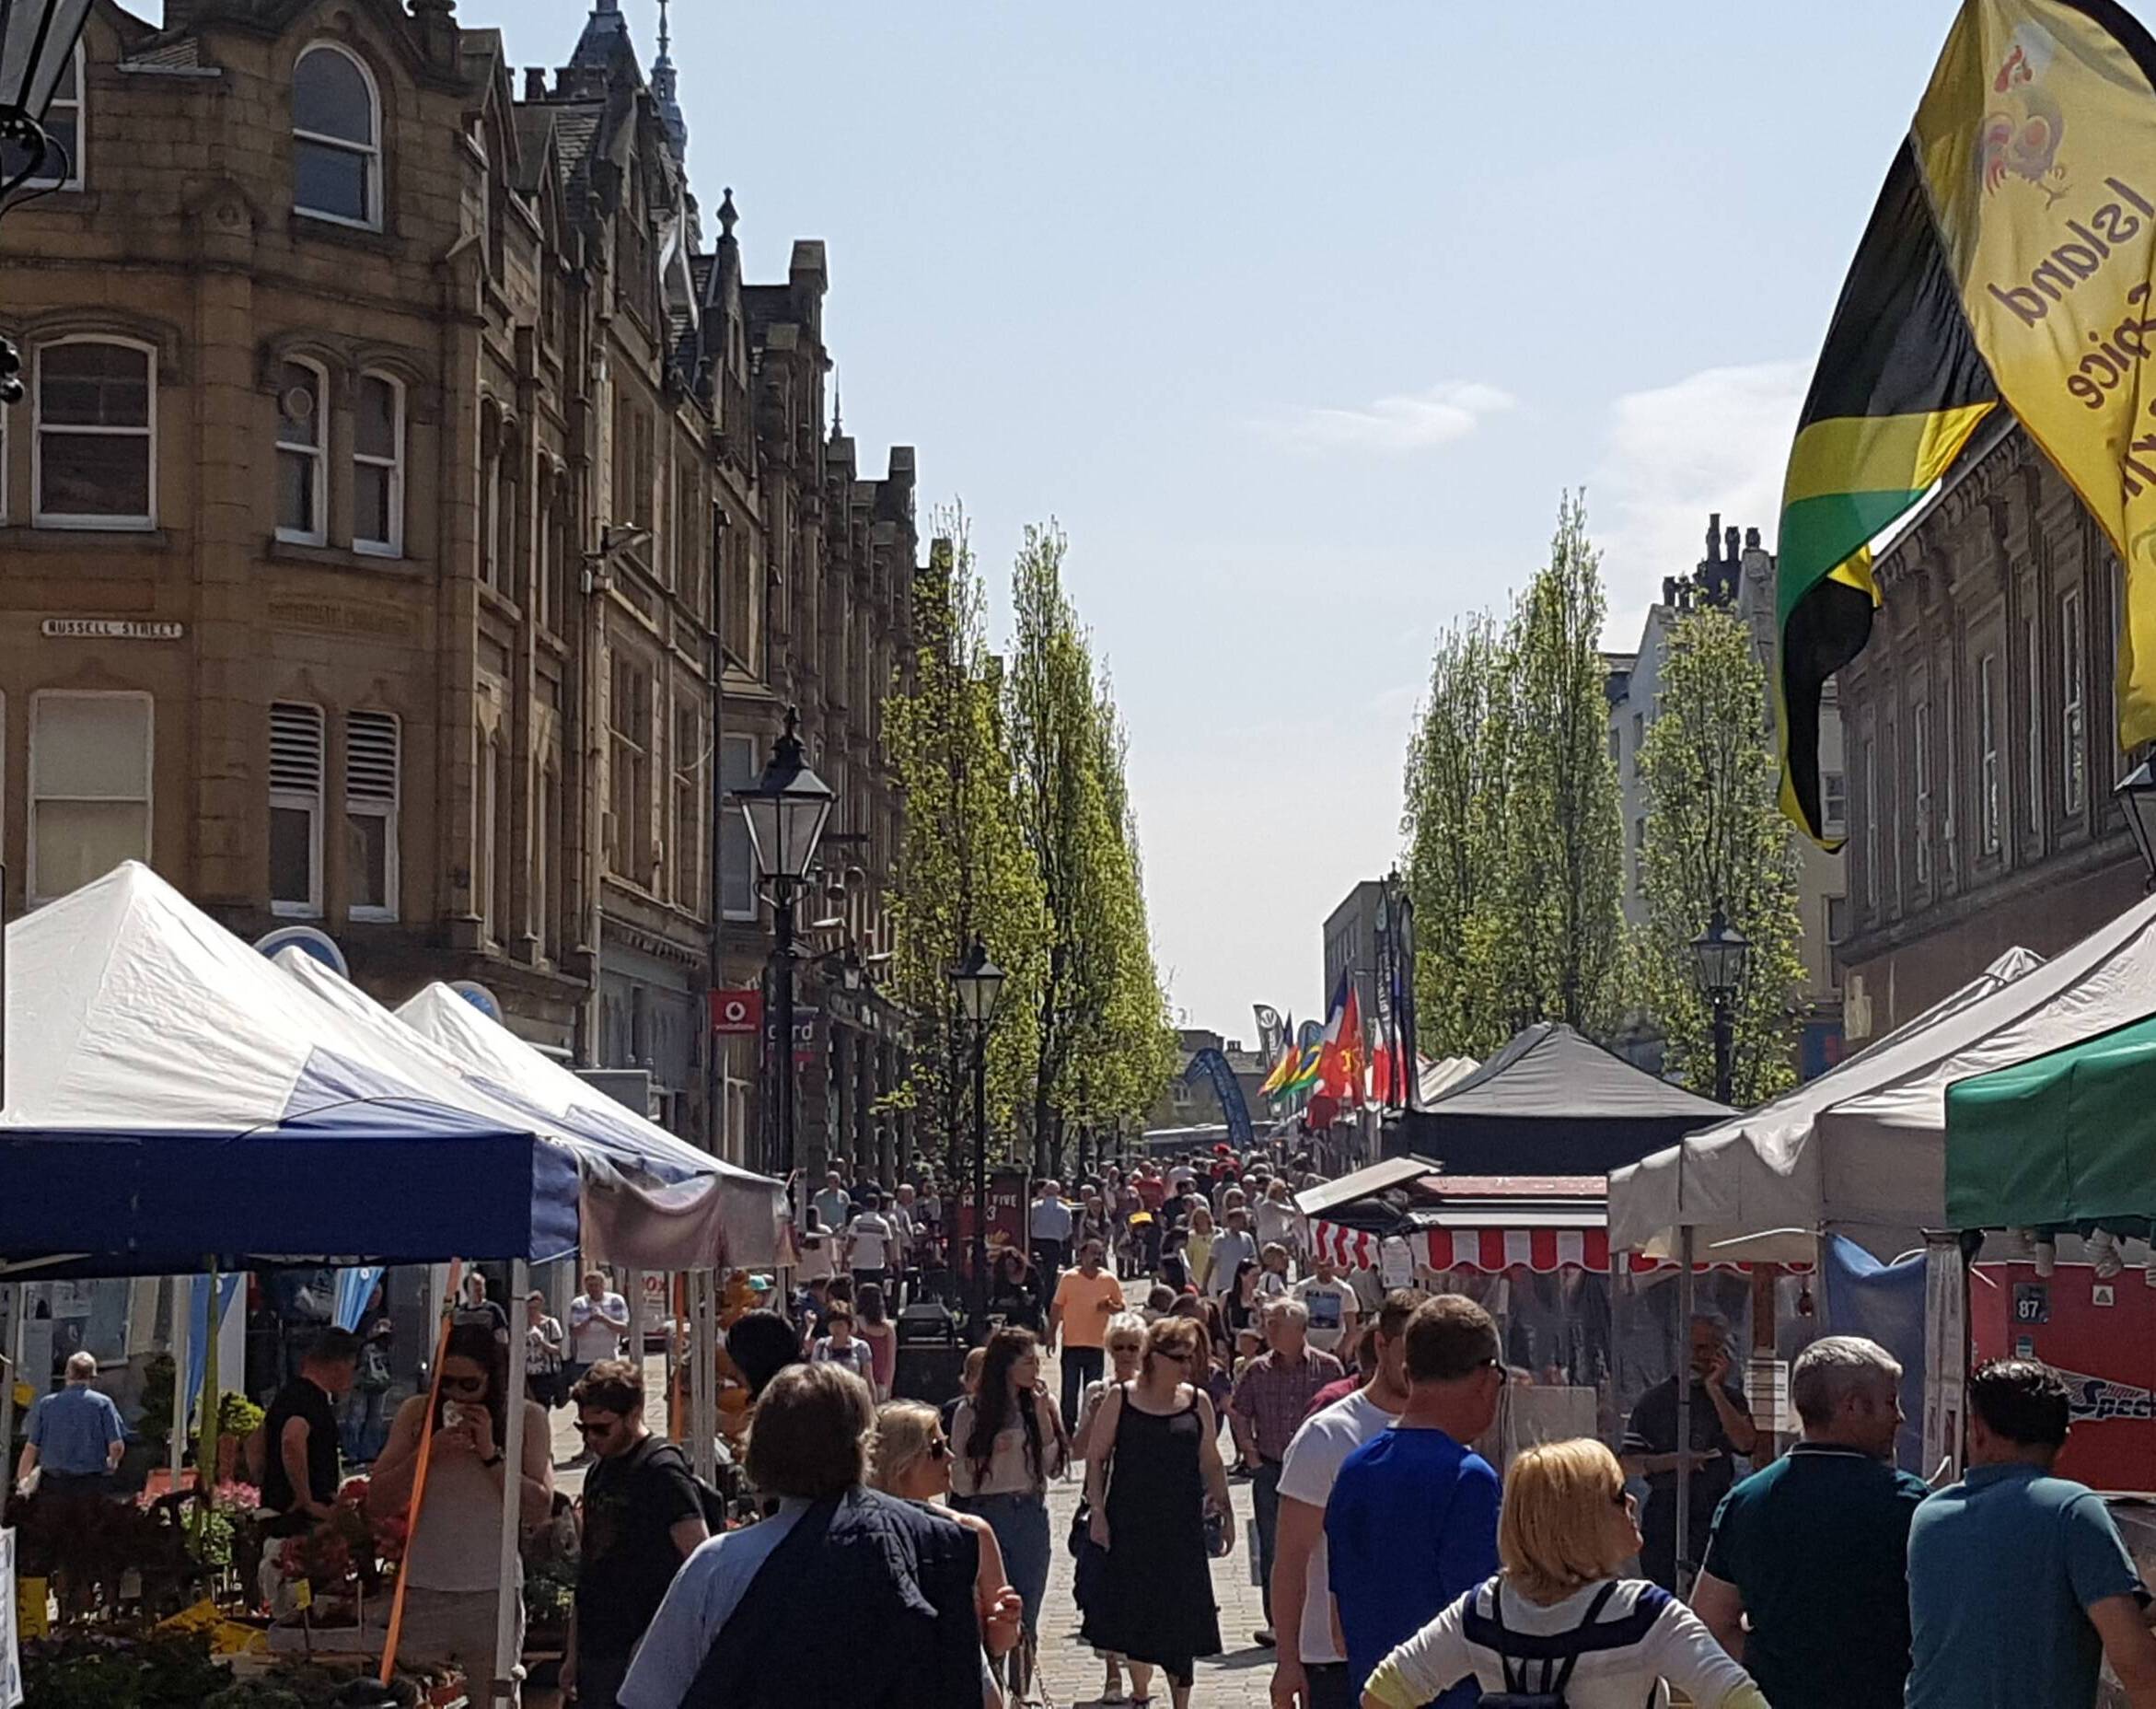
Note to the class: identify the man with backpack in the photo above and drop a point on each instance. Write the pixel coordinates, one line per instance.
(644, 1515)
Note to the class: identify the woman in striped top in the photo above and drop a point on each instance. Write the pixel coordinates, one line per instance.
(1558, 1619)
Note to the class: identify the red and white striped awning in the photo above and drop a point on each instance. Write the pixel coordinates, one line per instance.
(1542, 1251)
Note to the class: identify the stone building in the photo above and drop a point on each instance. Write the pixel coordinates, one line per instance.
(395, 457)
(1982, 748)
(1741, 577)
(1196, 1103)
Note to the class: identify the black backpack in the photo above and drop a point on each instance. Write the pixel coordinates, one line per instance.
(707, 1498)
(1522, 1654)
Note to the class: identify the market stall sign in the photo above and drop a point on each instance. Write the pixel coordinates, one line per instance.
(738, 1011)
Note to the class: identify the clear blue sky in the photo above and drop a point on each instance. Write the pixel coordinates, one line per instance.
(1298, 317)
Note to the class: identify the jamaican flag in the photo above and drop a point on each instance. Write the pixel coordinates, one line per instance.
(1899, 388)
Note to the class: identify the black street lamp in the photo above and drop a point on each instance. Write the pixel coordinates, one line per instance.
(978, 984)
(2137, 794)
(38, 40)
(1719, 952)
(786, 811)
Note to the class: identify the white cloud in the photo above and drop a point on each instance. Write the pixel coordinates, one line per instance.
(1717, 440)
(1417, 421)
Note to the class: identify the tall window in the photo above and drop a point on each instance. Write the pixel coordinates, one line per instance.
(546, 862)
(373, 761)
(1834, 803)
(738, 769)
(1890, 754)
(302, 485)
(687, 850)
(61, 168)
(488, 849)
(2033, 653)
(1950, 762)
(378, 467)
(1920, 782)
(336, 138)
(2072, 715)
(490, 496)
(89, 787)
(629, 716)
(295, 809)
(508, 512)
(1871, 826)
(95, 434)
(1988, 784)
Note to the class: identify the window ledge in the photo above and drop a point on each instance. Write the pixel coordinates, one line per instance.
(381, 242)
(25, 537)
(342, 558)
(501, 604)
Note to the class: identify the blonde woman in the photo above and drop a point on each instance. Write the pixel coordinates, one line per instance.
(913, 1460)
(1198, 1247)
(1557, 1618)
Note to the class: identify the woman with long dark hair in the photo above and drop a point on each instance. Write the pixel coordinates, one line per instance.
(452, 1567)
(1149, 1494)
(1010, 1442)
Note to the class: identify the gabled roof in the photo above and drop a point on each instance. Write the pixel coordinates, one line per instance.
(1549, 1071)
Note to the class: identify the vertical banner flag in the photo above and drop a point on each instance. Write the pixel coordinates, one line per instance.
(2012, 258)
(2037, 139)
(1270, 1032)
(1384, 1052)
(1209, 1064)
(1404, 1017)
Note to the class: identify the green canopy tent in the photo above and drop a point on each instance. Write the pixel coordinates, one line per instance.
(2065, 1140)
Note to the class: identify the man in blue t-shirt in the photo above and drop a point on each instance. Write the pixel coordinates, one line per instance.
(2019, 1583)
(1412, 1523)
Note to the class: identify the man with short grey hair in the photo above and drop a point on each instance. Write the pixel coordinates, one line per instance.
(1813, 1549)
(1265, 1411)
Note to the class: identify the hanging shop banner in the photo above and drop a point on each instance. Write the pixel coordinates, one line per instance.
(738, 1013)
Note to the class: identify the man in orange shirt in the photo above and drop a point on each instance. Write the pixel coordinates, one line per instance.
(1085, 1299)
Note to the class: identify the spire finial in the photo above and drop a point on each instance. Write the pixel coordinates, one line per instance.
(838, 410)
(727, 214)
(666, 36)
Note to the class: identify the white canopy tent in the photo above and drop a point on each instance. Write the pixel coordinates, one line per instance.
(1861, 1150)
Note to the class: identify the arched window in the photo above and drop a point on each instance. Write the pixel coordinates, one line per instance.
(336, 138)
(97, 422)
(303, 463)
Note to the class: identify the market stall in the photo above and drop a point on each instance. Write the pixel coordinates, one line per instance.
(175, 1102)
(1550, 1102)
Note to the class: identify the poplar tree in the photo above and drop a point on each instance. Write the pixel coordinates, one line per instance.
(1716, 838)
(963, 869)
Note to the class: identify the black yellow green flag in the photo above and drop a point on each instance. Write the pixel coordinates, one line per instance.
(1899, 388)
(2012, 259)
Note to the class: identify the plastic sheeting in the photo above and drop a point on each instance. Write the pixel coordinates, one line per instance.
(1885, 1304)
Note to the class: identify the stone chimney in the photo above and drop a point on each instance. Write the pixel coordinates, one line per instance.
(535, 83)
(1714, 536)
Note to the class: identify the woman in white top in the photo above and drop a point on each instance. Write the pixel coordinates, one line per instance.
(452, 1567)
(1566, 1527)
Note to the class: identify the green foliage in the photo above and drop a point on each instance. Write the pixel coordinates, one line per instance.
(1103, 1046)
(1510, 815)
(1716, 838)
(164, 1671)
(236, 1416)
(963, 870)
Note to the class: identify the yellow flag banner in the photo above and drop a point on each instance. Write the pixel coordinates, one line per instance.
(2036, 141)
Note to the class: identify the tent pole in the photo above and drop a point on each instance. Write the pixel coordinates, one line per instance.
(1684, 1382)
(10, 1373)
(182, 1357)
(506, 1655)
(704, 1374)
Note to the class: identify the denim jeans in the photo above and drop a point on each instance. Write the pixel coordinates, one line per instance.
(366, 1427)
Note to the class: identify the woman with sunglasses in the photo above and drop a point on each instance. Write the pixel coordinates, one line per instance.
(1125, 1342)
(1150, 1492)
(452, 1567)
(1559, 1619)
(912, 1461)
(1010, 1442)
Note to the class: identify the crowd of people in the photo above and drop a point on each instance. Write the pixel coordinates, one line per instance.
(1199, 1351)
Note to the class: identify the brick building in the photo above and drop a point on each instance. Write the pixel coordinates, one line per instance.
(1982, 750)
(401, 476)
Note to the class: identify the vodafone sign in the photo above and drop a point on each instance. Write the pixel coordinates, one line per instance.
(738, 1011)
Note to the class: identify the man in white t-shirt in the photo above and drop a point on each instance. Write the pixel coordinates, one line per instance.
(1231, 1248)
(1332, 1305)
(598, 1317)
(868, 1242)
(1311, 1671)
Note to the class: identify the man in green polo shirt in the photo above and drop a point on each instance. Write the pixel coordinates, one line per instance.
(2019, 1584)
(1812, 1550)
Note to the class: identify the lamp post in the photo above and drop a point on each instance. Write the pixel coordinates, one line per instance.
(786, 811)
(978, 984)
(1720, 952)
(2137, 794)
(38, 40)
